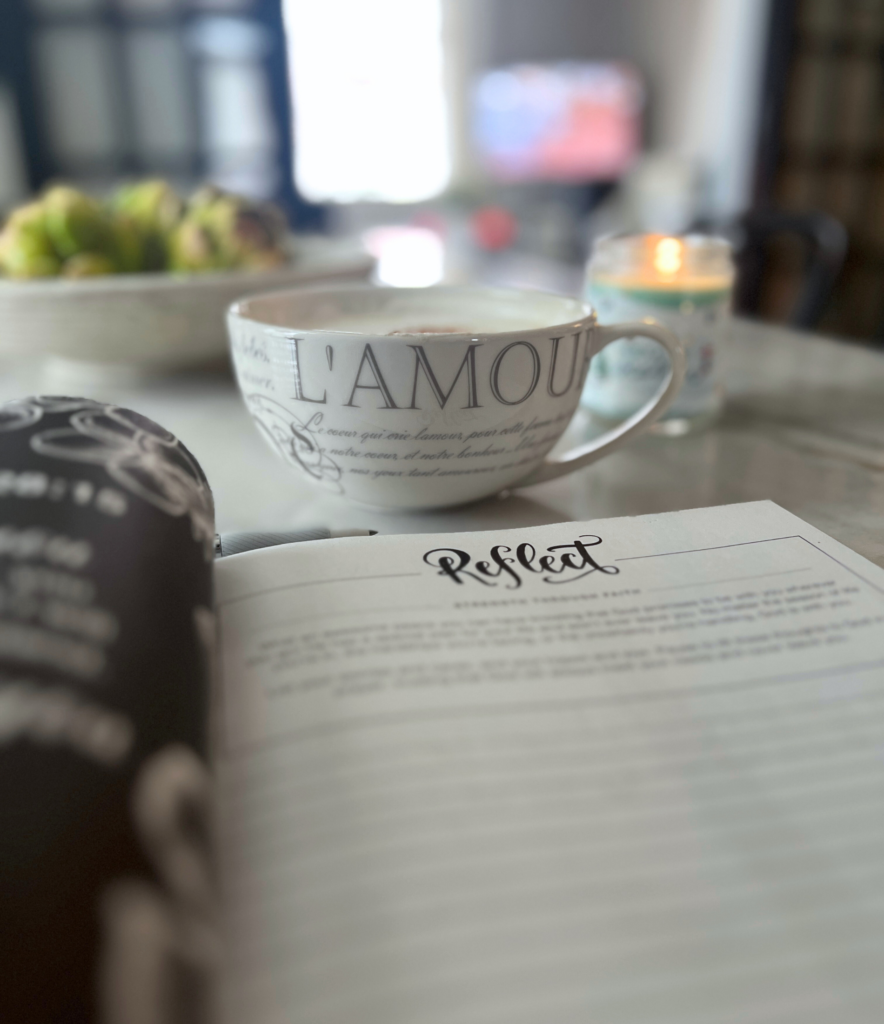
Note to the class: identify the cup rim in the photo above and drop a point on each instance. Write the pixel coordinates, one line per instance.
(237, 310)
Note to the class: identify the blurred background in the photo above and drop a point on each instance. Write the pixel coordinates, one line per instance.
(489, 139)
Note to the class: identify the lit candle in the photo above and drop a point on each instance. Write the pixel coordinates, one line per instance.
(686, 283)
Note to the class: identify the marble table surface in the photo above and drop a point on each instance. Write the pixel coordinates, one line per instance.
(803, 426)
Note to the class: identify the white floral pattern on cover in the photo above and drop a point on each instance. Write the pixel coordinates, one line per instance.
(27, 411)
(140, 456)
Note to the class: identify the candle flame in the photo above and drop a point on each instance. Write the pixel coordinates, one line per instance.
(667, 256)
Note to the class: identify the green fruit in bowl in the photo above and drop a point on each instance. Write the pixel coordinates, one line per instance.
(88, 264)
(225, 232)
(154, 205)
(127, 244)
(250, 232)
(143, 227)
(155, 208)
(192, 248)
(244, 233)
(26, 249)
(75, 222)
(216, 218)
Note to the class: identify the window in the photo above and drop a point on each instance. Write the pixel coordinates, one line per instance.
(370, 112)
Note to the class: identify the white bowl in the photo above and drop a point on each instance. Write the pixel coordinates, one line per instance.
(155, 322)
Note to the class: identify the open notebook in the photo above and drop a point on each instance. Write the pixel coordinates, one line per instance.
(640, 781)
(626, 771)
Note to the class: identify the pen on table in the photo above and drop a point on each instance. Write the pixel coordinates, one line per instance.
(249, 540)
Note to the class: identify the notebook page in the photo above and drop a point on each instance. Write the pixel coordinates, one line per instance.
(640, 783)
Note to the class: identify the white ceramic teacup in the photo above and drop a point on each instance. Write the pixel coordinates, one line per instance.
(425, 397)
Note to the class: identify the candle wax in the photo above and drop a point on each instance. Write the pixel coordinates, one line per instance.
(667, 289)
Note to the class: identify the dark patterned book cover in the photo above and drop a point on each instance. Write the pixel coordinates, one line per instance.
(107, 907)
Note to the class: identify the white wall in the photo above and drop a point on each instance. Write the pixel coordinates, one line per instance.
(705, 59)
(702, 60)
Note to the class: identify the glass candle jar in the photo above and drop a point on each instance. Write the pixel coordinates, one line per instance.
(686, 283)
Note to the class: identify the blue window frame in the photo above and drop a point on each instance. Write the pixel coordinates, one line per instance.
(185, 89)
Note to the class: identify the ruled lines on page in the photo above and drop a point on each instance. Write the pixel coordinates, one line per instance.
(642, 796)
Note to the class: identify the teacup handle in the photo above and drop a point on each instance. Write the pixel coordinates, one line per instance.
(586, 454)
